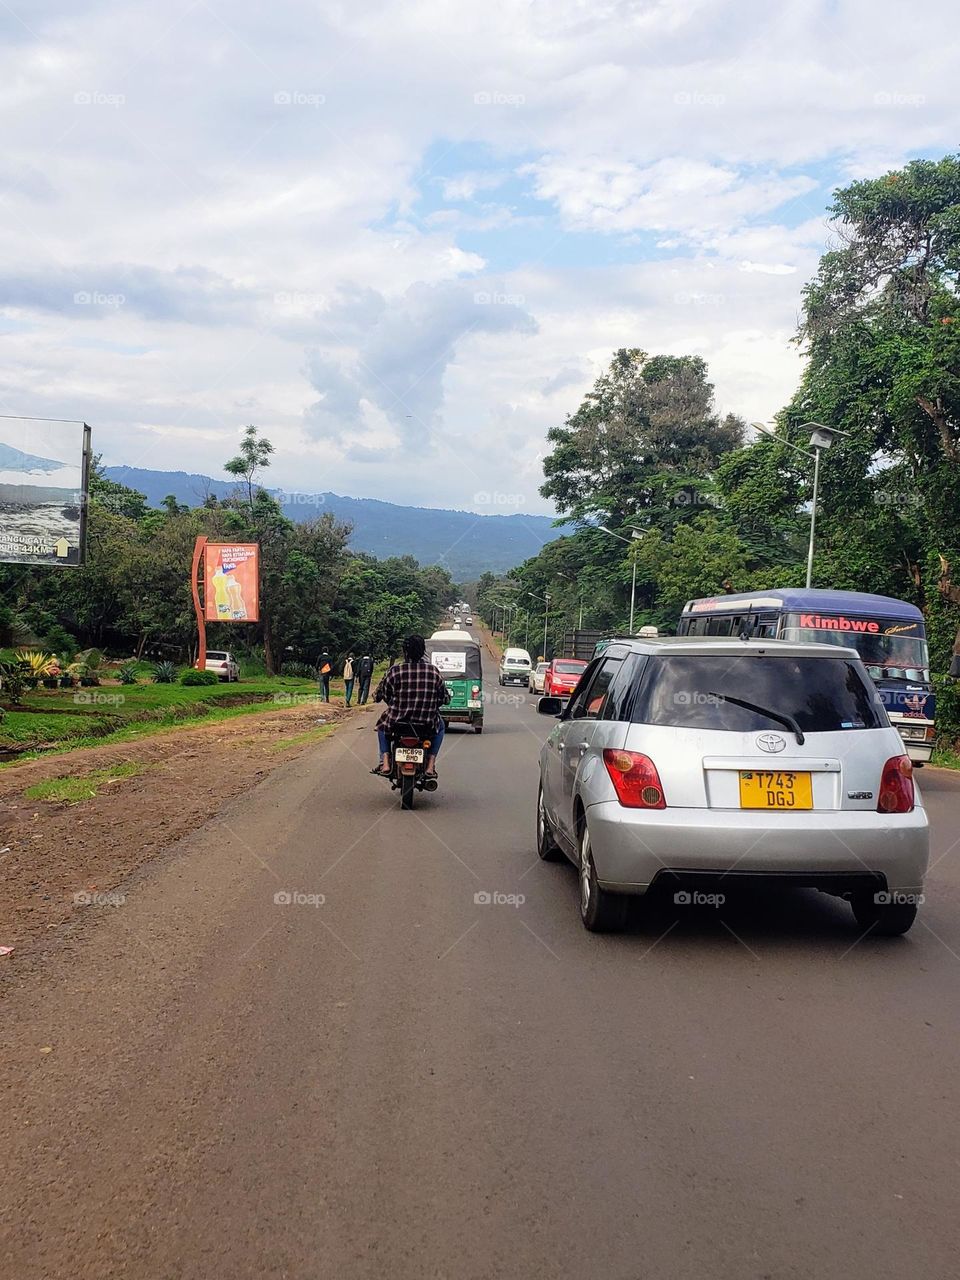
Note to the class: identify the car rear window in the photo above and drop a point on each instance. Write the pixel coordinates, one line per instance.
(216, 655)
(569, 668)
(822, 695)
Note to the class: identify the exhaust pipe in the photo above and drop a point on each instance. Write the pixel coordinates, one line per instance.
(429, 784)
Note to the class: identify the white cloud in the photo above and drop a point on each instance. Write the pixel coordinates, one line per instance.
(299, 201)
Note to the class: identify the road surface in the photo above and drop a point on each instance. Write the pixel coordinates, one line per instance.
(405, 1080)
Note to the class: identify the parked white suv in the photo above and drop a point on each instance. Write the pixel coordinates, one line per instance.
(222, 664)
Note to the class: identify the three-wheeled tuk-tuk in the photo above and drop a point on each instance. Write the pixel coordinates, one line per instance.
(457, 658)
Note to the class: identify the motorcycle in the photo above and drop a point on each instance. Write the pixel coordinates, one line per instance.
(409, 748)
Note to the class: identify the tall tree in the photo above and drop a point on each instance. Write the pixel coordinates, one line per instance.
(648, 427)
(254, 455)
(882, 325)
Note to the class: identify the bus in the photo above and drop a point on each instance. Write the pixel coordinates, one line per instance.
(888, 634)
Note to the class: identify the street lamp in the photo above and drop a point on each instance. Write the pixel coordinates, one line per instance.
(821, 438)
(546, 611)
(635, 536)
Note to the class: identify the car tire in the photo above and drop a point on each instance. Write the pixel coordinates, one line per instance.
(882, 919)
(478, 728)
(547, 848)
(600, 910)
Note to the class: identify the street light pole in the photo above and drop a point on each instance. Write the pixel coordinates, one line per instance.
(546, 611)
(822, 438)
(813, 514)
(635, 536)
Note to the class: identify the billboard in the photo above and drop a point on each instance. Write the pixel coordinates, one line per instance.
(231, 582)
(44, 475)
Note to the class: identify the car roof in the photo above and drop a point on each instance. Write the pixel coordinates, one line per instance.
(582, 661)
(724, 646)
(805, 598)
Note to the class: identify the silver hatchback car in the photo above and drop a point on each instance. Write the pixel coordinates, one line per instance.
(687, 762)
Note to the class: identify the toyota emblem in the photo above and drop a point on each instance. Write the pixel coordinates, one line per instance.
(771, 742)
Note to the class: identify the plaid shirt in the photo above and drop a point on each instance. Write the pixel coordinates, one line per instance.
(412, 691)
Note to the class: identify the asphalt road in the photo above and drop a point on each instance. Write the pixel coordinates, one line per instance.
(403, 1081)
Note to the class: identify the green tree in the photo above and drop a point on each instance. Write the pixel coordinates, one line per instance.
(882, 326)
(254, 455)
(647, 430)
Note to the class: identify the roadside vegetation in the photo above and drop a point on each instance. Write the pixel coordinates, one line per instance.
(721, 508)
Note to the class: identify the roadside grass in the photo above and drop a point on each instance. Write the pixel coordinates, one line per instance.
(61, 719)
(311, 735)
(945, 758)
(84, 786)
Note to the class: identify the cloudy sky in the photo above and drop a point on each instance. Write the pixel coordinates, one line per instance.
(404, 238)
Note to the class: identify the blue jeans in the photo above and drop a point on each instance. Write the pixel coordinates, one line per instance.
(434, 749)
(348, 690)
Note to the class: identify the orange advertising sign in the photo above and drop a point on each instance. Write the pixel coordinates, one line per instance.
(231, 578)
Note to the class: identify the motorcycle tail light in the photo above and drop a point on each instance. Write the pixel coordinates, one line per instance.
(896, 786)
(635, 779)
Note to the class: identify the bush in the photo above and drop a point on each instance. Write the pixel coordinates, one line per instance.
(164, 673)
(299, 669)
(192, 676)
(128, 673)
(948, 710)
(12, 680)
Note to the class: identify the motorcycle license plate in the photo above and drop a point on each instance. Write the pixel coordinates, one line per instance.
(776, 789)
(409, 755)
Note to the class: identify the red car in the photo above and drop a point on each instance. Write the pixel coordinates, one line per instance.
(562, 676)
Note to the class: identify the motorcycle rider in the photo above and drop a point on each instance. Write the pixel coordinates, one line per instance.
(414, 691)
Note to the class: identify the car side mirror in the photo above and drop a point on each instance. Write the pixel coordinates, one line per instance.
(549, 706)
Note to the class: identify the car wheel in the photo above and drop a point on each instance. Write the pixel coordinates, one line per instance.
(600, 910)
(882, 919)
(478, 728)
(547, 848)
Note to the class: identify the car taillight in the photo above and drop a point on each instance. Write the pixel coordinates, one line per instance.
(896, 792)
(896, 786)
(635, 779)
(475, 691)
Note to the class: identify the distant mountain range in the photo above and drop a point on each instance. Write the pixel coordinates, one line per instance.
(464, 543)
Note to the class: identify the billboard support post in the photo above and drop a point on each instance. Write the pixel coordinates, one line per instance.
(198, 549)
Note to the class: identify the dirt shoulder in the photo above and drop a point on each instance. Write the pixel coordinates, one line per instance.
(55, 856)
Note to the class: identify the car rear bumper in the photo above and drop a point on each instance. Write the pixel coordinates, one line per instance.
(632, 846)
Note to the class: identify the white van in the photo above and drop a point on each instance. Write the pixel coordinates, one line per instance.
(515, 666)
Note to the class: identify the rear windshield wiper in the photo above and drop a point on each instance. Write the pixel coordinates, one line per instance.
(764, 711)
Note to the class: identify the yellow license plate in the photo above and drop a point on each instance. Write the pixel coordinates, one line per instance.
(775, 789)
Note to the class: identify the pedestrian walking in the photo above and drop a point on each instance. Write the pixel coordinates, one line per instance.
(325, 667)
(348, 678)
(364, 675)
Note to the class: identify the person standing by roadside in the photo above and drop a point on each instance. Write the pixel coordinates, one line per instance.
(365, 675)
(325, 667)
(348, 678)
